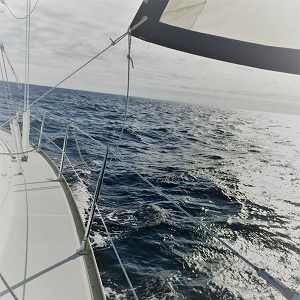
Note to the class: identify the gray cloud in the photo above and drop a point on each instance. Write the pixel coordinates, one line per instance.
(65, 34)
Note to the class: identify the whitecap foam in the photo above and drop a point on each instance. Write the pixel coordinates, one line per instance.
(99, 240)
(82, 197)
(111, 294)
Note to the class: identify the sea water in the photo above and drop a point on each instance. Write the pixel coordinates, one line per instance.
(237, 172)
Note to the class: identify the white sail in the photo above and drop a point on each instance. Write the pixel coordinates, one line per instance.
(255, 33)
(271, 23)
(2, 8)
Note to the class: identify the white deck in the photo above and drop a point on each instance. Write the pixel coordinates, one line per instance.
(39, 234)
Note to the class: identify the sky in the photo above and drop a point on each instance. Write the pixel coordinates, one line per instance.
(67, 33)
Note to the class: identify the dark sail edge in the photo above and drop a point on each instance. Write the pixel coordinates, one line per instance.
(224, 49)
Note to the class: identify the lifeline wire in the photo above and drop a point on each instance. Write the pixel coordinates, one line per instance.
(109, 236)
(79, 152)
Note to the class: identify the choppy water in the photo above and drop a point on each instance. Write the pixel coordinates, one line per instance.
(237, 171)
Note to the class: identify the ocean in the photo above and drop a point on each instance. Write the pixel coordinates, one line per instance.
(236, 171)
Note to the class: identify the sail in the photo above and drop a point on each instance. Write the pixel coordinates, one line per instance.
(257, 33)
(2, 8)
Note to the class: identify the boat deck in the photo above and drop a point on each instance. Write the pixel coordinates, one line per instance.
(40, 232)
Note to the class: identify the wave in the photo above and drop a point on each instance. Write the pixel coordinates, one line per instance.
(237, 171)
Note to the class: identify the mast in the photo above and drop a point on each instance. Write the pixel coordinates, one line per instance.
(26, 111)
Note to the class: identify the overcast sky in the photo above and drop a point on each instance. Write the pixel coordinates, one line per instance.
(67, 33)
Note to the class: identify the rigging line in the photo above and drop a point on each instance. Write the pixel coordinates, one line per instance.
(27, 56)
(7, 121)
(275, 283)
(117, 254)
(130, 61)
(80, 154)
(13, 70)
(50, 141)
(108, 234)
(205, 228)
(3, 80)
(89, 136)
(8, 287)
(6, 146)
(5, 71)
(6, 82)
(113, 43)
(57, 118)
(21, 18)
(284, 290)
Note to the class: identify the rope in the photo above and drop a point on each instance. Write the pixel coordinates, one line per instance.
(6, 122)
(117, 254)
(108, 234)
(275, 283)
(13, 70)
(80, 154)
(20, 18)
(8, 287)
(27, 56)
(127, 95)
(17, 153)
(113, 43)
(49, 141)
(5, 81)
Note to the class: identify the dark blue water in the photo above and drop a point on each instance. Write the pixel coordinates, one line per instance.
(236, 171)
